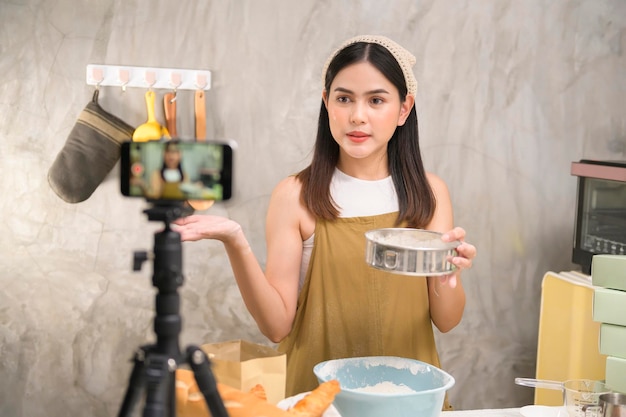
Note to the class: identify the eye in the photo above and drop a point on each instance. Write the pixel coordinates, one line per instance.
(377, 100)
(343, 99)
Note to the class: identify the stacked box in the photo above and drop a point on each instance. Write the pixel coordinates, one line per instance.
(609, 271)
(608, 275)
(609, 306)
(613, 340)
(616, 373)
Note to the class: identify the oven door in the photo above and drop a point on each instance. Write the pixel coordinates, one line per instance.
(601, 211)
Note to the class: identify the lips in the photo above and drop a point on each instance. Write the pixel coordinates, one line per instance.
(357, 136)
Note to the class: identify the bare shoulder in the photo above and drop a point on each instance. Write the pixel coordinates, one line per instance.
(287, 207)
(443, 218)
(285, 202)
(288, 188)
(438, 185)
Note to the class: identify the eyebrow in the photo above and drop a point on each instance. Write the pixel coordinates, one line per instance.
(377, 91)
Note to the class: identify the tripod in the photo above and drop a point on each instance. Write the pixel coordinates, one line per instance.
(155, 365)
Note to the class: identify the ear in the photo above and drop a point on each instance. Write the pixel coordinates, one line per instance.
(405, 109)
(325, 98)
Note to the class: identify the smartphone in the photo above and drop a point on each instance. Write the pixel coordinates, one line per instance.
(177, 170)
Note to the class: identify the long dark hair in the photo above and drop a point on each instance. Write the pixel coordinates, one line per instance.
(170, 144)
(415, 197)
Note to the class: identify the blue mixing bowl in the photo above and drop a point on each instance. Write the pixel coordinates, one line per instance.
(386, 386)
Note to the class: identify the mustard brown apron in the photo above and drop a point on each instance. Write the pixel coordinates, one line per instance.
(171, 191)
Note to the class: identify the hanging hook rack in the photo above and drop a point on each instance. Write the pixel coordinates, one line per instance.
(148, 77)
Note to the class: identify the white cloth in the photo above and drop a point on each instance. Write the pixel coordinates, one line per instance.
(354, 197)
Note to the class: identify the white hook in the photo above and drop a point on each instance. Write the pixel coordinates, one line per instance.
(124, 76)
(176, 81)
(150, 79)
(201, 81)
(98, 76)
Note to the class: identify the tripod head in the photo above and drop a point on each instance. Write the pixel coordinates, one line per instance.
(167, 211)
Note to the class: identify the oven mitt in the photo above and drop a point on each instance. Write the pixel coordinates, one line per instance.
(90, 152)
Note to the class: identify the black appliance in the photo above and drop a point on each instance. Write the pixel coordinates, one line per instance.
(601, 210)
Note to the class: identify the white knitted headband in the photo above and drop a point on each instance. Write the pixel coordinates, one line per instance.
(405, 59)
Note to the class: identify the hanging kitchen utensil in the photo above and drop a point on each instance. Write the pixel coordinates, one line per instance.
(151, 129)
(90, 151)
(200, 113)
(169, 107)
(200, 110)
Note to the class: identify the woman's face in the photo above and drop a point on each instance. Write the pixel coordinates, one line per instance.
(172, 156)
(364, 110)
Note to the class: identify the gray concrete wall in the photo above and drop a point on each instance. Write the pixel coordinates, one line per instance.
(510, 93)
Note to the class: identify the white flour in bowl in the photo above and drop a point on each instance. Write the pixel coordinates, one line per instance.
(386, 387)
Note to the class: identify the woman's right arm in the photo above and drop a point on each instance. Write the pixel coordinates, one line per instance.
(269, 296)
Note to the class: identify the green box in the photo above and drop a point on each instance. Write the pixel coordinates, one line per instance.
(609, 271)
(609, 306)
(616, 374)
(613, 340)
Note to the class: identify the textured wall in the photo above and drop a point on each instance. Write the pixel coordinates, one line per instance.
(510, 92)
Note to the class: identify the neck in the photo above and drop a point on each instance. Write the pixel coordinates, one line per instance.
(365, 168)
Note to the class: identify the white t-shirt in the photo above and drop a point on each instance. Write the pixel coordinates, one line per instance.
(172, 175)
(354, 198)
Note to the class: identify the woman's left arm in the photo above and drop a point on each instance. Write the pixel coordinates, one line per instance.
(446, 294)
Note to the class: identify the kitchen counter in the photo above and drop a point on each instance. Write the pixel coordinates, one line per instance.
(501, 412)
(534, 410)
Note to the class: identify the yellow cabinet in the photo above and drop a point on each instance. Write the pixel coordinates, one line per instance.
(568, 340)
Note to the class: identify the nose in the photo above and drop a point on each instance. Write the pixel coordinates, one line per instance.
(358, 116)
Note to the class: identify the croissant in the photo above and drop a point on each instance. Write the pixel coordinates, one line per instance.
(317, 401)
(259, 391)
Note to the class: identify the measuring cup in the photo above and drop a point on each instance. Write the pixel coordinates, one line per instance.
(579, 395)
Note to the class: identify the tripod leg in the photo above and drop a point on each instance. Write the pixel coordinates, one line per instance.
(160, 386)
(135, 384)
(199, 363)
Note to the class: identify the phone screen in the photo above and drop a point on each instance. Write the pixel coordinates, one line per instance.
(177, 170)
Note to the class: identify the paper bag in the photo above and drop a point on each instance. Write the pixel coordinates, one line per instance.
(242, 365)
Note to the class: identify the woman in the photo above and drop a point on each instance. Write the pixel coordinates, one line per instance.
(165, 183)
(317, 296)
